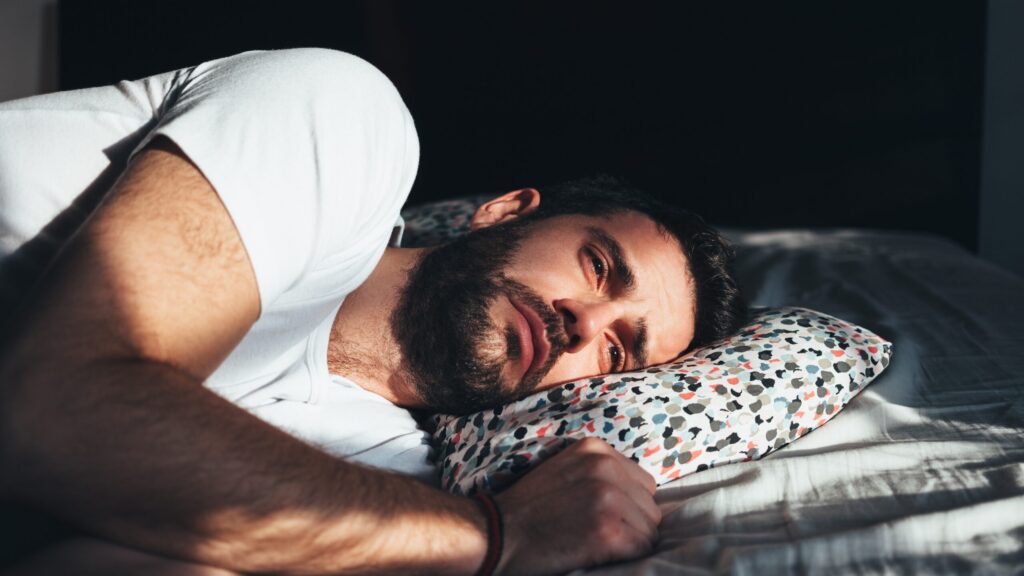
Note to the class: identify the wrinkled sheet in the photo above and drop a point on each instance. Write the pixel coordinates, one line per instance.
(922, 473)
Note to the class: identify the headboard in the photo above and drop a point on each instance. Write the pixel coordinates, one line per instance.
(831, 114)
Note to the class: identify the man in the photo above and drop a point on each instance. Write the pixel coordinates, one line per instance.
(234, 295)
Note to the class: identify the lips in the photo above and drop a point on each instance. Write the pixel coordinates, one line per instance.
(533, 338)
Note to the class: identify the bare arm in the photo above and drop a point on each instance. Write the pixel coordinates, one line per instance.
(106, 421)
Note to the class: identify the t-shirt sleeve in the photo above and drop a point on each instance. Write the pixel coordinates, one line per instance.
(305, 147)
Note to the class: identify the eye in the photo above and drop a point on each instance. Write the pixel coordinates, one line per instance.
(600, 270)
(615, 356)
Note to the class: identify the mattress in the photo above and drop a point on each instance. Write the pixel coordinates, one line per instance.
(923, 472)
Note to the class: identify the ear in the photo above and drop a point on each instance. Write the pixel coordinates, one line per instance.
(515, 204)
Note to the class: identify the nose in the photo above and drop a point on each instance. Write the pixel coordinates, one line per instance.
(583, 321)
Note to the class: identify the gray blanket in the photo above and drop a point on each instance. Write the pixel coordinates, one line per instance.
(923, 472)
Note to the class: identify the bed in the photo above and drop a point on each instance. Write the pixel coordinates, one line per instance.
(923, 472)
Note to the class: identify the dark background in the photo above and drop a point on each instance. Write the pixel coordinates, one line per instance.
(813, 114)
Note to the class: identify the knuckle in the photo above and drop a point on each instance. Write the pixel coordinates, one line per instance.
(611, 534)
(650, 484)
(605, 497)
(598, 466)
(592, 443)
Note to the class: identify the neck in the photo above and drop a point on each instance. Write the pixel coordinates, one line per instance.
(362, 347)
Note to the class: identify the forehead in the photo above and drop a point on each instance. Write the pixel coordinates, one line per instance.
(664, 293)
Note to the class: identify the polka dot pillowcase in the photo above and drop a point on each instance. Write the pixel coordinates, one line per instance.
(437, 222)
(787, 372)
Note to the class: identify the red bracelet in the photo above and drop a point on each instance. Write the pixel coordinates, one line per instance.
(495, 534)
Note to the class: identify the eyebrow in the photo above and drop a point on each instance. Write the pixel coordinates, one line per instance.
(640, 344)
(614, 249)
(628, 280)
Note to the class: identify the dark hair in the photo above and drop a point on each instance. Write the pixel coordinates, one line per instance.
(721, 309)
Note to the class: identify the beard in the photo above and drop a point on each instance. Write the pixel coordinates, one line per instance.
(452, 351)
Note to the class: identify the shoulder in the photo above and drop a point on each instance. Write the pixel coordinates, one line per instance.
(300, 71)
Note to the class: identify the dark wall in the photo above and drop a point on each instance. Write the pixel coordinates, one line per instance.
(1002, 172)
(826, 114)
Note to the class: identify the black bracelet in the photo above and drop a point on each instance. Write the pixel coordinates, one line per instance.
(495, 534)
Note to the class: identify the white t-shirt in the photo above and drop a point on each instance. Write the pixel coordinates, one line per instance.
(313, 153)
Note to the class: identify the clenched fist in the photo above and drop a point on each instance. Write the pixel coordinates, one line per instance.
(585, 506)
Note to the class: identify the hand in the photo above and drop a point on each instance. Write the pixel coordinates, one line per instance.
(586, 505)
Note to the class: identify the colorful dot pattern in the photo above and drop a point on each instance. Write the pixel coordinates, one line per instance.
(787, 372)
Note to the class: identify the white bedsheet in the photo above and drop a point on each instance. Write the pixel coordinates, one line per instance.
(922, 473)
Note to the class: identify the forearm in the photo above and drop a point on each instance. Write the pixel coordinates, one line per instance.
(141, 454)
(104, 419)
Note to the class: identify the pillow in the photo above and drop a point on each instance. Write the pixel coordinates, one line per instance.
(436, 222)
(787, 372)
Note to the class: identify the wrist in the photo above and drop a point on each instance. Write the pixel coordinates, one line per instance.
(495, 535)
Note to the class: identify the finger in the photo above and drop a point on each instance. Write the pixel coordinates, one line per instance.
(593, 445)
(644, 516)
(640, 487)
(637, 474)
(632, 543)
(576, 449)
(587, 459)
(613, 503)
(647, 479)
(561, 462)
(642, 504)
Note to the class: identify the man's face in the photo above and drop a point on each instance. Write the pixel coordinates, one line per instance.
(523, 306)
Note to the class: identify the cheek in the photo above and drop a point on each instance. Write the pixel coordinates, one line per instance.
(573, 366)
(541, 260)
(550, 280)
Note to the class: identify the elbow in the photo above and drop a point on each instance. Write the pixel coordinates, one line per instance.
(28, 430)
(15, 445)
